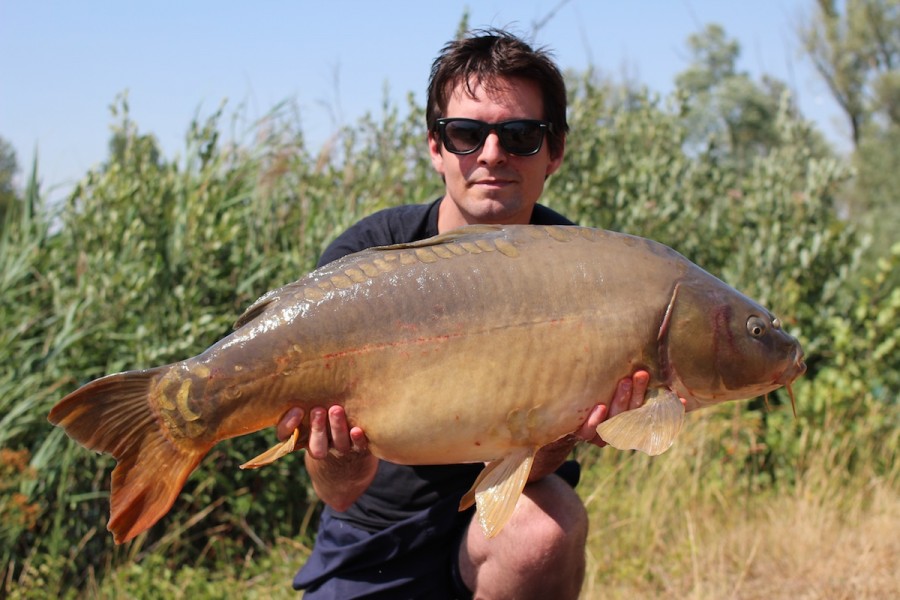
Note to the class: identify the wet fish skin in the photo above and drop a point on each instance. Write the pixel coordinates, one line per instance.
(506, 337)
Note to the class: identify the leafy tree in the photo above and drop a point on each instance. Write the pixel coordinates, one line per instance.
(855, 48)
(872, 199)
(727, 112)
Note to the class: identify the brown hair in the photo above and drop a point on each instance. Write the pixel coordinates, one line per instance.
(485, 55)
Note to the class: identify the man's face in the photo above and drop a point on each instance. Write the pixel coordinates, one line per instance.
(490, 185)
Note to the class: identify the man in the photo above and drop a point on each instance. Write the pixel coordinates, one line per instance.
(496, 119)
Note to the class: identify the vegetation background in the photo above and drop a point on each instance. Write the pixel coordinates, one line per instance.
(150, 259)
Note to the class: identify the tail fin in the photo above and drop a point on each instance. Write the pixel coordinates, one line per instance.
(113, 415)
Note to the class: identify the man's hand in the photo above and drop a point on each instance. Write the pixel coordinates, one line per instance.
(329, 431)
(337, 456)
(629, 395)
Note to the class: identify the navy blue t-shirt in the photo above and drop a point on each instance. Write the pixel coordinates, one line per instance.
(398, 491)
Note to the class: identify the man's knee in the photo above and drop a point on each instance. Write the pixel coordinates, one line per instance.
(540, 550)
(557, 538)
(558, 520)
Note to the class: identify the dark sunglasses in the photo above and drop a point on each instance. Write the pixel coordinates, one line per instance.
(522, 137)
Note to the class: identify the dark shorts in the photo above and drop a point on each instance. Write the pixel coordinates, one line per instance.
(414, 558)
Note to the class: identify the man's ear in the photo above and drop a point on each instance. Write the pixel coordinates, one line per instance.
(556, 161)
(434, 149)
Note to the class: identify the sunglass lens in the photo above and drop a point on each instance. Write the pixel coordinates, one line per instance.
(522, 137)
(463, 136)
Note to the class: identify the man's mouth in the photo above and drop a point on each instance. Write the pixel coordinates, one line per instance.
(492, 182)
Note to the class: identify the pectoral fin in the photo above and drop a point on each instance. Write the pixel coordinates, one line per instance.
(497, 489)
(651, 428)
(273, 453)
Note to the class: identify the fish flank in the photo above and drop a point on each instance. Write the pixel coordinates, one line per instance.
(436, 338)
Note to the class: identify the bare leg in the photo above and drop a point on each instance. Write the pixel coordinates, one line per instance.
(540, 552)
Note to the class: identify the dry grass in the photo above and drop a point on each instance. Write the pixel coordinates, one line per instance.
(676, 531)
(807, 548)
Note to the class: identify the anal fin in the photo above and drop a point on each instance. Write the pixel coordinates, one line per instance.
(273, 453)
(497, 489)
(652, 428)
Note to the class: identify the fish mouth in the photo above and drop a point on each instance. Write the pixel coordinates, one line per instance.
(795, 369)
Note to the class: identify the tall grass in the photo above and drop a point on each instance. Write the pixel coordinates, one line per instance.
(152, 258)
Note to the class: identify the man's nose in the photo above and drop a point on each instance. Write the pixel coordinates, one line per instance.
(492, 152)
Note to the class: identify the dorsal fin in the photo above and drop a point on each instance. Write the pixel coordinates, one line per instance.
(269, 298)
(255, 309)
(443, 238)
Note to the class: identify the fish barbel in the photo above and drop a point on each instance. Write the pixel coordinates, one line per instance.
(480, 345)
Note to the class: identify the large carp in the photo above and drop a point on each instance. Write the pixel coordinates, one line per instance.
(480, 345)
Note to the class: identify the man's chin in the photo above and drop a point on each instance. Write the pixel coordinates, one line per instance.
(495, 210)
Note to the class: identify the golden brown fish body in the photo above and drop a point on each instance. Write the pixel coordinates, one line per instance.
(484, 344)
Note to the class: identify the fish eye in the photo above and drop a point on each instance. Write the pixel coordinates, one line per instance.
(756, 327)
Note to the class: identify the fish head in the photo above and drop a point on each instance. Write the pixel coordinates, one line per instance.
(720, 345)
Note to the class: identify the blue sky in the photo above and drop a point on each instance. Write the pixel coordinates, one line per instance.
(65, 62)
